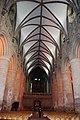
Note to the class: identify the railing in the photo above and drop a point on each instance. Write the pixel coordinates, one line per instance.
(41, 95)
(36, 93)
(29, 98)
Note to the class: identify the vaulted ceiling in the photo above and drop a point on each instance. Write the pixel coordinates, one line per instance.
(39, 23)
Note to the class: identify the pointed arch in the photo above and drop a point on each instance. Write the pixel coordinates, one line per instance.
(69, 82)
(21, 85)
(8, 94)
(3, 46)
(76, 49)
(12, 63)
(17, 82)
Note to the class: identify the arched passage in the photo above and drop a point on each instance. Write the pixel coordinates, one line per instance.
(38, 81)
(69, 74)
(18, 83)
(21, 85)
(9, 89)
(67, 85)
(4, 60)
(3, 46)
(75, 66)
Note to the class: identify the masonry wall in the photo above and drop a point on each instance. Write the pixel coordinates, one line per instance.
(9, 65)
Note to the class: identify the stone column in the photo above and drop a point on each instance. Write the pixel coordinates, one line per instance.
(10, 94)
(22, 89)
(54, 93)
(17, 82)
(60, 92)
(67, 91)
(3, 74)
(47, 86)
(75, 66)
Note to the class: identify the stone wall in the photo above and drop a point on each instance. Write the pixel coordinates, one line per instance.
(9, 62)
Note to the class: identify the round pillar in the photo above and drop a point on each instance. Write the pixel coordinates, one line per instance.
(54, 92)
(67, 91)
(60, 91)
(3, 74)
(75, 66)
(10, 92)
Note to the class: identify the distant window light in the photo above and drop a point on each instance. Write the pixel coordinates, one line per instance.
(38, 79)
(35, 79)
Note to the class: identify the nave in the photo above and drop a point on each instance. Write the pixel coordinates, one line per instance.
(39, 51)
(24, 115)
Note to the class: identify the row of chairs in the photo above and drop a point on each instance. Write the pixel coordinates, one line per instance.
(62, 116)
(15, 115)
(24, 115)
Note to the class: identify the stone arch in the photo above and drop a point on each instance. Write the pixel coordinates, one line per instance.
(67, 64)
(4, 60)
(17, 82)
(3, 46)
(76, 49)
(9, 88)
(21, 85)
(69, 83)
(12, 63)
(68, 68)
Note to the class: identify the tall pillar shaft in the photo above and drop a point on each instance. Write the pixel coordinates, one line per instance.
(22, 88)
(47, 86)
(75, 66)
(60, 92)
(10, 91)
(17, 90)
(67, 91)
(54, 93)
(3, 73)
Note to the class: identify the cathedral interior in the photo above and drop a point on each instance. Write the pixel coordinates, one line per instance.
(40, 59)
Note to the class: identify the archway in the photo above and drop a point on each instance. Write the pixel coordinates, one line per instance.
(38, 81)
(68, 86)
(4, 60)
(3, 46)
(21, 85)
(75, 66)
(8, 96)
